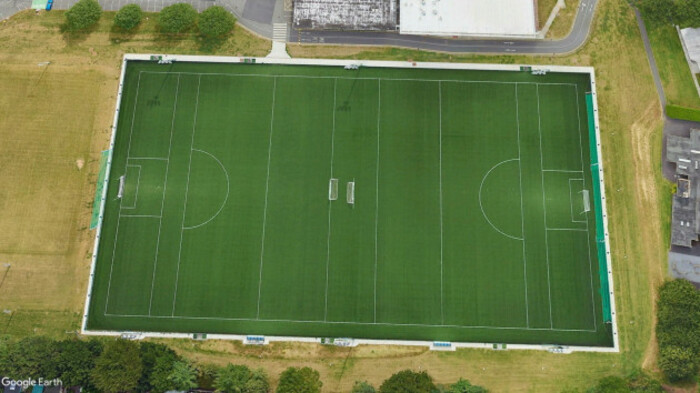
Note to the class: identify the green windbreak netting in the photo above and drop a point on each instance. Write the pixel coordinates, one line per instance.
(598, 206)
(94, 221)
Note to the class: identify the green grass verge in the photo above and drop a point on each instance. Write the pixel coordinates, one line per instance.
(683, 113)
(676, 78)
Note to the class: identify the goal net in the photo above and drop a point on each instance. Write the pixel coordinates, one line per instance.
(333, 189)
(121, 187)
(351, 193)
(586, 201)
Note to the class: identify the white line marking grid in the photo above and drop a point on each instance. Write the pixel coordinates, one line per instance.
(375, 322)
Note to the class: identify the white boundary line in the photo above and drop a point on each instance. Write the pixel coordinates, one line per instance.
(522, 211)
(106, 184)
(588, 225)
(267, 188)
(393, 64)
(330, 203)
(442, 291)
(544, 206)
(483, 179)
(165, 188)
(187, 192)
(138, 183)
(228, 190)
(376, 190)
(348, 323)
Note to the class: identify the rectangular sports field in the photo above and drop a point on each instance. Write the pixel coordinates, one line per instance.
(475, 216)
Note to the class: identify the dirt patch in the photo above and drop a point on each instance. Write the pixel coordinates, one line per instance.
(80, 163)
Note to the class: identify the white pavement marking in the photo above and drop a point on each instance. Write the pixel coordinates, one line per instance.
(162, 204)
(187, 191)
(267, 188)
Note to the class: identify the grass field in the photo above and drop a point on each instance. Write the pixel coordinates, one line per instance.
(468, 219)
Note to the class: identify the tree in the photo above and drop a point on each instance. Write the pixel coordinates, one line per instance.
(207, 375)
(128, 17)
(641, 382)
(408, 381)
(31, 357)
(152, 354)
(363, 387)
(118, 368)
(216, 22)
(77, 359)
(464, 386)
(183, 376)
(177, 18)
(678, 363)
(299, 380)
(678, 329)
(258, 382)
(83, 14)
(232, 379)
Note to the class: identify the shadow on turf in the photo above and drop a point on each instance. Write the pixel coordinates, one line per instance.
(73, 37)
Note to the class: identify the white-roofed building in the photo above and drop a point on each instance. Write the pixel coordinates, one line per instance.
(479, 18)
(691, 41)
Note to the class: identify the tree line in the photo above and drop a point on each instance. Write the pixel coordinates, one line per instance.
(214, 22)
(109, 365)
(685, 13)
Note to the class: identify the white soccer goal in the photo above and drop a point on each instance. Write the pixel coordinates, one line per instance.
(586, 201)
(333, 189)
(121, 187)
(351, 193)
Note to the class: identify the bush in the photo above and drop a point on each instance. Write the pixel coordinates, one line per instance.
(363, 387)
(83, 14)
(682, 113)
(678, 329)
(216, 22)
(678, 363)
(408, 381)
(177, 18)
(128, 17)
(299, 380)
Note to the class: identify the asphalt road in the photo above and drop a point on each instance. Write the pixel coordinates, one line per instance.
(577, 37)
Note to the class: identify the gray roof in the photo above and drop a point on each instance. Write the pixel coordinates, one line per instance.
(684, 266)
(691, 37)
(685, 217)
(346, 14)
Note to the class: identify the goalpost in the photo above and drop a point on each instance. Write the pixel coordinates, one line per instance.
(351, 193)
(121, 187)
(333, 189)
(586, 201)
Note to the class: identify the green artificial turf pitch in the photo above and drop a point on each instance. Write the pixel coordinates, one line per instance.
(467, 226)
